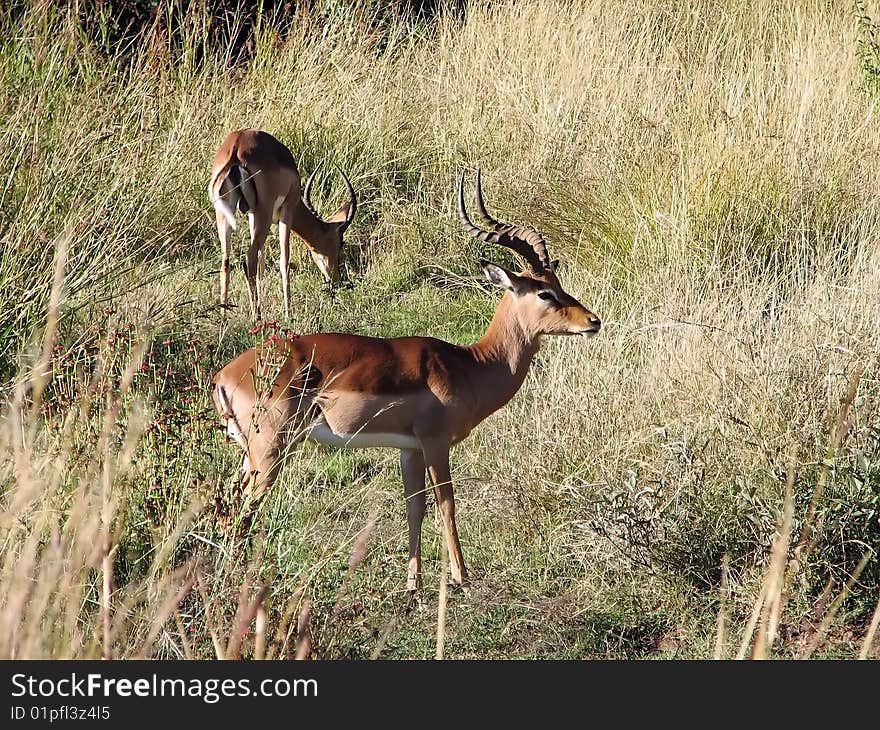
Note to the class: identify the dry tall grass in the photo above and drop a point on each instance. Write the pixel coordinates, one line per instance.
(708, 174)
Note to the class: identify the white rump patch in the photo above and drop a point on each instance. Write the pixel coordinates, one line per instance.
(234, 433)
(224, 207)
(231, 421)
(323, 434)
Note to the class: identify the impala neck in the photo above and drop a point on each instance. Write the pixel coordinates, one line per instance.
(504, 354)
(310, 228)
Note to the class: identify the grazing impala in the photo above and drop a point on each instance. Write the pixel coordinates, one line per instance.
(255, 173)
(416, 394)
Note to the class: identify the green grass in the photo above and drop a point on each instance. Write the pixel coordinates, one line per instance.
(706, 175)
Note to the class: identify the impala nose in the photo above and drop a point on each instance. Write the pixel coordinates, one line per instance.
(595, 324)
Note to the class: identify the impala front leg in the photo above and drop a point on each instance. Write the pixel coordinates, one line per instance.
(437, 461)
(412, 469)
(284, 263)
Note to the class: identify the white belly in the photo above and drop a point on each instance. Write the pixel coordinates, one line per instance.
(323, 434)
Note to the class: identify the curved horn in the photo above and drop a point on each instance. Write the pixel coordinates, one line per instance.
(481, 206)
(527, 233)
(307, 190)
(525, 241)
(352, 199)
(466, 222)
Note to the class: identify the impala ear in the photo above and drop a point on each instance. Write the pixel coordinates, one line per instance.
(554, 265)
(500, 276)
(343, 214)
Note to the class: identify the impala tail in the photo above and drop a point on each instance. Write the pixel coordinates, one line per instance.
(233, 187)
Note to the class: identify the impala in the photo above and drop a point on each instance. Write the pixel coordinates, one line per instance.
(416, 394)
(255, 173)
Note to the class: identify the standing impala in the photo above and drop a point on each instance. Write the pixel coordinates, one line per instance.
(416, 394)
(255, 173)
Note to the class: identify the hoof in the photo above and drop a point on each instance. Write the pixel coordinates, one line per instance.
(415, 600)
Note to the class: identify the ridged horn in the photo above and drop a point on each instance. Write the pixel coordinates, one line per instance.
(523, 240)
(307, 190)
(352, 199)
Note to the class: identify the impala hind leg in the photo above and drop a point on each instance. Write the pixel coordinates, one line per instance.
(437, 462)
(224, 231)
(412, 469)
(262, 464)
(279, 429)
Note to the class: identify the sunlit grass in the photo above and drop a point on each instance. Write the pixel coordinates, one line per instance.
(706, 173)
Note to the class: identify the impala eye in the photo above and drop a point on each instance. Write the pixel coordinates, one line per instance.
(548, 296)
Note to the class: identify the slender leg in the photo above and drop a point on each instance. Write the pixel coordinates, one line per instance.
(412, 469)
(284, 263)
(224, 230)
(437, 461)
(253, 263)
(261, 263)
